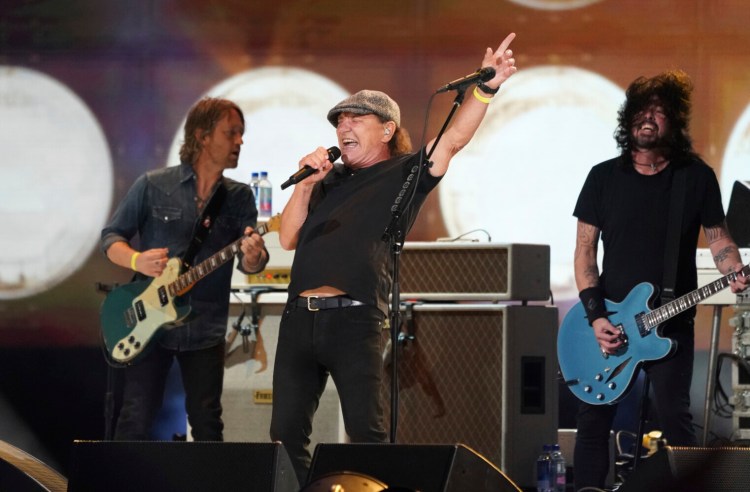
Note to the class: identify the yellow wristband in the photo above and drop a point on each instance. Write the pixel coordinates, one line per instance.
(132, 260)
(485, 100)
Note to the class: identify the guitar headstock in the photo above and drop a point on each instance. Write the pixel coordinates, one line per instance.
(273, 225)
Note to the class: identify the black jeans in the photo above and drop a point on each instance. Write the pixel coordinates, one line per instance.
(670, 381)
(345, 343)
(202, 377)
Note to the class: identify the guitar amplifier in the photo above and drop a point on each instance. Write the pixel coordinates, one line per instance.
(475, 271)
(484, 375)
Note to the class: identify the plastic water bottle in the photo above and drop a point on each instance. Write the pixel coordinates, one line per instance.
(558, 465)
(254, 182)
(544, 470)
(265, 194)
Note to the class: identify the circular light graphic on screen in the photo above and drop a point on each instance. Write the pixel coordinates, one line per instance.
(520, 176)
(55, 182)
(736, 165)
(285, 119)
(555, 4)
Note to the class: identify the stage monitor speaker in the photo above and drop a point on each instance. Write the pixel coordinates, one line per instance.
(21, 472)
(684, 469)
(484, 375)
(426, 468)
(166, 466)
(438, 271)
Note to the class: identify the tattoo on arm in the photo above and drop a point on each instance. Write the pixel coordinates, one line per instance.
(724, 254)
(716, 233)
(587, 239)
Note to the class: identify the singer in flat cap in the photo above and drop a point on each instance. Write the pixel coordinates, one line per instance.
(341, 274)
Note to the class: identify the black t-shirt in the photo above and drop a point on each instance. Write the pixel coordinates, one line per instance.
(340, 244)
(632, 209)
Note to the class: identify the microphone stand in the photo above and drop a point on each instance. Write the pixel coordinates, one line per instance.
(109, 392)
(394, 235)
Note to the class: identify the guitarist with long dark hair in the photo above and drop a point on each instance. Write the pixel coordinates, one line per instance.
(165, 210)
(627, 203)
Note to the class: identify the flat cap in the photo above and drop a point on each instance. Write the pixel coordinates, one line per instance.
(367, 102)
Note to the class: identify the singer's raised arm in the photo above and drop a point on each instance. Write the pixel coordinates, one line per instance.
(472, 111)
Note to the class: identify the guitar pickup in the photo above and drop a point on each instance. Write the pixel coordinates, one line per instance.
(163, 297)
(140, 310)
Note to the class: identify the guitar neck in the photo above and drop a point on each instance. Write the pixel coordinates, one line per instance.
(682, 304)
(202, 269)
(187, 279)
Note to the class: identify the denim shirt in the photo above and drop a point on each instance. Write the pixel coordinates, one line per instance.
(159, 209)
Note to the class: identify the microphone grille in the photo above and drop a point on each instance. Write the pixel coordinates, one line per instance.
(487, 74)
(334, 152)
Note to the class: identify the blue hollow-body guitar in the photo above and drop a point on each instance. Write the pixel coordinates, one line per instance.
(133, 314)
(598, 378)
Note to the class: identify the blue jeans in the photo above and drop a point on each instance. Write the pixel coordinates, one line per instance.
(345, 343)
(202, 377)
(670, 381)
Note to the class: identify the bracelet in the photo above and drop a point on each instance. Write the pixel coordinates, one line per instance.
(132, 260)
(592, 299)
(485, 100)
(487, 89)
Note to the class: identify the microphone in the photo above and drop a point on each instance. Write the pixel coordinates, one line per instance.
(481, 75)
(305, 171)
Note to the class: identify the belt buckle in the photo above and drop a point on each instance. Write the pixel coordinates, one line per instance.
(310, 307)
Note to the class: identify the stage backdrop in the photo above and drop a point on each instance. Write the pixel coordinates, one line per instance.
(94, 93)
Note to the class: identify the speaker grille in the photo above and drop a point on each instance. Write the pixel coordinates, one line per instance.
(446, 271)
(684, 469)
(453, 369)
(482, 375)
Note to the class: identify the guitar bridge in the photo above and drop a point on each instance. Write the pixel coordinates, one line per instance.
(130, 319)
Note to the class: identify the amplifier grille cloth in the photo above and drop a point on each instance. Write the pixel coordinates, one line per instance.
(451, 382)
(454, 270)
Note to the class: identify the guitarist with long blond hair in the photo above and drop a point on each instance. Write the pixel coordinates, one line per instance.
(626, 202)
(163, 210)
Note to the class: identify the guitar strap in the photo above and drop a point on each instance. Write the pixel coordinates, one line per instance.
(204, 224)
(674, 228)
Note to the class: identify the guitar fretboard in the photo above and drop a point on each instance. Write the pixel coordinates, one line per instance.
(682, 304)
(210, 264)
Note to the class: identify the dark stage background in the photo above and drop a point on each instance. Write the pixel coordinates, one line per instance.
(136, 68)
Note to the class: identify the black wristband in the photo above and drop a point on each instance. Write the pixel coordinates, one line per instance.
(592, 300)
(487, 90)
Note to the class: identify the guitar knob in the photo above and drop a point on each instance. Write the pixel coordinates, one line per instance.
(131, 339)
(600, 397)
(612, 385)
(126, 352)
(137, 345)
(598, 377)
(587, 389)
(120, 345)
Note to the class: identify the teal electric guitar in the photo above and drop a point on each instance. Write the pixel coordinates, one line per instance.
(133, 314)
(598, 378)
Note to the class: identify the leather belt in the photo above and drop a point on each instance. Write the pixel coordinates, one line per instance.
(315, 303)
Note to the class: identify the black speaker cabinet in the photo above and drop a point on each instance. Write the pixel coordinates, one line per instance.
(427, 468)
(484, 375)
(683, 469)
(21, 472)
(180, 467)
